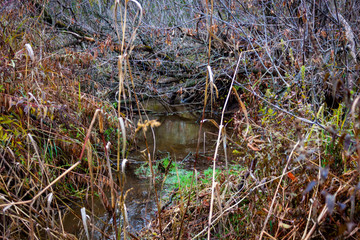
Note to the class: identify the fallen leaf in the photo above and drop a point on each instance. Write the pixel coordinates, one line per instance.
(253, 147)
(292, 177)
(284, 225)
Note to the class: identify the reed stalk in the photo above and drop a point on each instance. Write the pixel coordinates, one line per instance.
(217, 148)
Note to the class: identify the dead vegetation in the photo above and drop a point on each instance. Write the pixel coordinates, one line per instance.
(44, 120)
(295, 192)
(282, 77)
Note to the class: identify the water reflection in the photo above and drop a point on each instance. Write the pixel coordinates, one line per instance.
(175, 135)
(179, 129)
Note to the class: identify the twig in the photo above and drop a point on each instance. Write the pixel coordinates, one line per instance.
(218, 144)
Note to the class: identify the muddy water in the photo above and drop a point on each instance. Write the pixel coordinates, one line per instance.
(179, 130)
(140, 208)
(177, 137)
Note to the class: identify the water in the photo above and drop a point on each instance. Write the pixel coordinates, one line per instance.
(177, 136)
(139, 202)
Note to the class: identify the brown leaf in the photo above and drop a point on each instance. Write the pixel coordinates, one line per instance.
(253, 147)
(292, 177)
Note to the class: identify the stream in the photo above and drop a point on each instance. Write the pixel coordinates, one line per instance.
(176, 137)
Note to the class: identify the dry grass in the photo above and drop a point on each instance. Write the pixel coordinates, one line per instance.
(301, 177)
(44, 120)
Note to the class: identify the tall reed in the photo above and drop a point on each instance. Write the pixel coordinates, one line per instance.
(125, 51)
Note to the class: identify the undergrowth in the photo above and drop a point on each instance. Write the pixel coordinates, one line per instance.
(287, 181)
(289, 105)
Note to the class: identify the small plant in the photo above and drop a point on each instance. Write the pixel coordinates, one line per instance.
(174, 175)
(208, 175)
